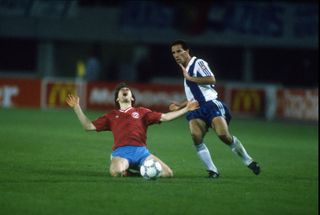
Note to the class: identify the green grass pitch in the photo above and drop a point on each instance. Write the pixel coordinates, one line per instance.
(50, 165)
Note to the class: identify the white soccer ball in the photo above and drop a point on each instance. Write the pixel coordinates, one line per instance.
(150, 169)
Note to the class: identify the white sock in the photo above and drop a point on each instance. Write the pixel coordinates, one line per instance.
(239, 150)
(205, 156)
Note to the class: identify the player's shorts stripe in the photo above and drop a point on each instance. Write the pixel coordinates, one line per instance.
(220, 106)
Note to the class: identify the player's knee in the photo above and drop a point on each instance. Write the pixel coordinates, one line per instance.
(115, 172)
(168, 173)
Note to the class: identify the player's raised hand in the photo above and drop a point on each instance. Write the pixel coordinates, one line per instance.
(184, 72)
(72, 100)
(192, 105)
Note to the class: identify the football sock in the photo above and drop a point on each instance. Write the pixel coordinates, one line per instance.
(239, 150)
(205, 156)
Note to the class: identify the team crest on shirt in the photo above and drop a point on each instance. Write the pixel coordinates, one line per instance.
(135, 115)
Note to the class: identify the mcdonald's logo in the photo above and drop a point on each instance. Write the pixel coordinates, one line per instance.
(57, 93)
(248, 101)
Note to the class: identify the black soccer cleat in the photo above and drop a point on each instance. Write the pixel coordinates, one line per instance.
(213, 175)
(254, 166)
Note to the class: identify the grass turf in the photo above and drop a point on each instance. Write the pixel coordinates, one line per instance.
(49, 165)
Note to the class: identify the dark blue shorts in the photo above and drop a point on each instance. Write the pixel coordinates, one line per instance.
(134, 154)
(209, 110)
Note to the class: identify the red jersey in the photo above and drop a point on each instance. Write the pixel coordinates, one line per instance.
(129, 127)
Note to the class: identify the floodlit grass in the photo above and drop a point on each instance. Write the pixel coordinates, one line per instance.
(49, 165)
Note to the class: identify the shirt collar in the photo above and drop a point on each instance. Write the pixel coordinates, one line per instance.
(126, 110)
(191, 62)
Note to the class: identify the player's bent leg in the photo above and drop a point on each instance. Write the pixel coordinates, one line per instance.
(198, 129)
(166, 170)
(220, 126)
(118, 166)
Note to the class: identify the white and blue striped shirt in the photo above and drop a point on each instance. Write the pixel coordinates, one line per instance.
(201, 93)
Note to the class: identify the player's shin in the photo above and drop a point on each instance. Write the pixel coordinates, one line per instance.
(238, 149)
(205, 157)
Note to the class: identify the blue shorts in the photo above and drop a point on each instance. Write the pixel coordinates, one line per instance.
(209, 110)
(134, 154)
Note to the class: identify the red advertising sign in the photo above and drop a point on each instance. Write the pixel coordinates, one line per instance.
(19, 93)
(248, 101)
(221, 92)
(297, 104)
(100, 95)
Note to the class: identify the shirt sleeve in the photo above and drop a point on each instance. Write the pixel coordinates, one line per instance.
(102, 123)
(151, 117)
(203, 69)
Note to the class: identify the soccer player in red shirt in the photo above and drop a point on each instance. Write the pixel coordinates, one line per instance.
(129, 127)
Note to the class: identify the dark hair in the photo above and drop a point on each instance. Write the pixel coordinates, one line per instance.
(116, 92)
(182, 43)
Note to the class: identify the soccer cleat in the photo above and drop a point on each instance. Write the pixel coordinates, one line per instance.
(212, 174)
(254, 166)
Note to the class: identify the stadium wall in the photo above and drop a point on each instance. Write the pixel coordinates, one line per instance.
(266, 101)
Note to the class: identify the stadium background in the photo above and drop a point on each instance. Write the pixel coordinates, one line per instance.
(263, 53)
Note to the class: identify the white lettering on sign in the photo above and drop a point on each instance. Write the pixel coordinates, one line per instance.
(101, 96)
(149, 98)
(301, 106)
(6, 94)
(105, 96)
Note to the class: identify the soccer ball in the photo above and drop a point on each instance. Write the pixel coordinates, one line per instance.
(150, 169)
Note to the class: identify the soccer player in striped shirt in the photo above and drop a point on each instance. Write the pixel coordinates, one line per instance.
(129, 127)
(199, 85)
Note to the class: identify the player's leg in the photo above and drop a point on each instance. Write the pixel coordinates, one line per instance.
(220, 126)
(118, 166)
(166, 170)
(198, 129)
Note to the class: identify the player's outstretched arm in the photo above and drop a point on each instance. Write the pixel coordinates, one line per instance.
(192, 105)
(74, 103)
(177, 106)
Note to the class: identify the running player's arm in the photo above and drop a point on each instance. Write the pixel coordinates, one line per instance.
(192, 105)
(73, 102)
(199, 80)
